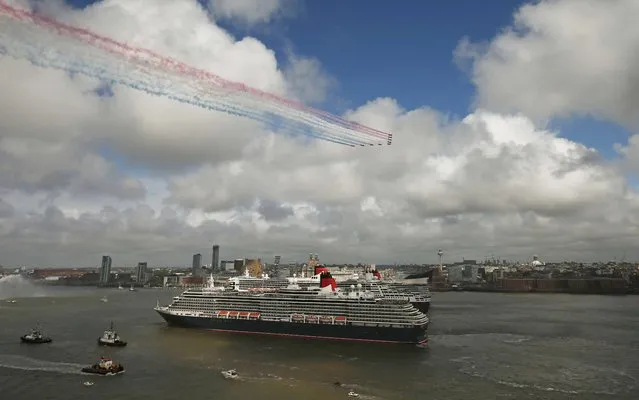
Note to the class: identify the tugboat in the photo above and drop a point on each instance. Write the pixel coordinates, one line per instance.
(111, 338)
(35, 337)
(105, 366)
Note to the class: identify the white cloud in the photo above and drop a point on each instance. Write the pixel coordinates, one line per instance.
(306, 79)
(252, 11)
(562, 58)
(144, 178)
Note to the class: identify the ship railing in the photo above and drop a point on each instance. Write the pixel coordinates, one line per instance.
(233, 314)
(386, 324)
(315, 319)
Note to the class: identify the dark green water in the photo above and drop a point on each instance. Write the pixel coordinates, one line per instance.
(483, 346)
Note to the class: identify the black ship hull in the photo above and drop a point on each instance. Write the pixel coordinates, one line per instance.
(416, 335)
(102, 371)
(25, 339)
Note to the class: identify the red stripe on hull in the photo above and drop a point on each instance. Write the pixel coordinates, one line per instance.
(422, 343)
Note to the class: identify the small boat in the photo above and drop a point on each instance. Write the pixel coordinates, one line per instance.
(12, 301)
(230, 374)
(105, 366)
(120, 287)
(88, 383)
(352, 394)
(104, 299)
(35, 337)
(111, 338)
(131, 289)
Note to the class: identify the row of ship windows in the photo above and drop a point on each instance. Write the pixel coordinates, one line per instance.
(375, 293)
(296, 306)
(357, 318)
(305, 310)
(247, 299)
(222, 304)
(293, 307)
(300, 310)
(384, 292)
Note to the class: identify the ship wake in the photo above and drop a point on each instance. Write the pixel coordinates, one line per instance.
(548, 365)
(12, 361)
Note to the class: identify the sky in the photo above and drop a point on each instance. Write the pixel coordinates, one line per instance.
(514, 122)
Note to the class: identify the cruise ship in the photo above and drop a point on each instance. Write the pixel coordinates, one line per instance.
(353, 314)
(421, 300)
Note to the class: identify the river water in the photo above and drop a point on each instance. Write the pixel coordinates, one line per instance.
(482, 346)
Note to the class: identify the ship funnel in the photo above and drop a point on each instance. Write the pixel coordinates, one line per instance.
(327, 280)
(319, 269)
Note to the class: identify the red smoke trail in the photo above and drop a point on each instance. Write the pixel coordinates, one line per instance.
(151, 58)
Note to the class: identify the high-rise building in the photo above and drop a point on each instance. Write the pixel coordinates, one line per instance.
(105, 270)
(140, 274)
(215, 258)
(238, 265)
(197, 265)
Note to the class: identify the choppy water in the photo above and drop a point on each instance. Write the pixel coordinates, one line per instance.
(483, 346)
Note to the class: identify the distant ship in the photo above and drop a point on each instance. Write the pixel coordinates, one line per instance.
(35, 337)
(421, 300)
(105, 366)
(111, 338)
(354, 314)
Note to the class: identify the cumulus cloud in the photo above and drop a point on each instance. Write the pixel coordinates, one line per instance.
(307, 81)
(144, 178)
(562, 58)
(252, 11)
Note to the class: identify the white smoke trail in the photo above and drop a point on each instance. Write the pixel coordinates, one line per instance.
(31, 364)
(15, 286)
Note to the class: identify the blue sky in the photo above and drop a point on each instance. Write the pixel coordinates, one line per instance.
(403, 52)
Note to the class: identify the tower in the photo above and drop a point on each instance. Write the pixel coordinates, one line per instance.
(141, 273)
(215, 258)
(105, 271)
(196, 268)
(440, 253)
